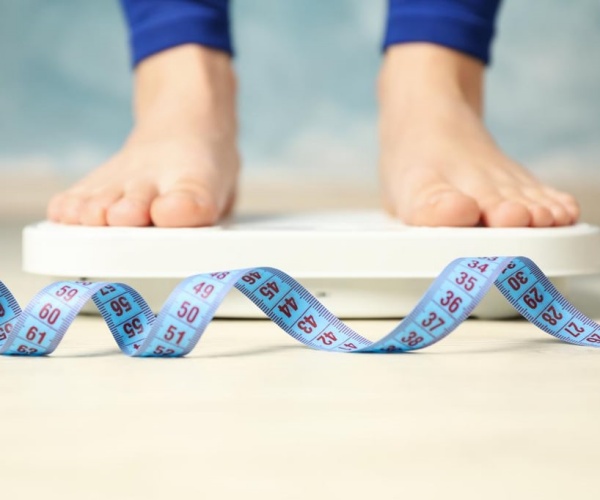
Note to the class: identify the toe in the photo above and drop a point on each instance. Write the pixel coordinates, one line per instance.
(567, 202)
(55, 207)
(560, 215)
(541, 215)
(553, 209)
(500, 212)
(184, 209)
(71, 207)
(446, 207)
(133, 208)
(94, 212)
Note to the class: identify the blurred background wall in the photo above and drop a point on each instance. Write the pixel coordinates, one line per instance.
(307, 71)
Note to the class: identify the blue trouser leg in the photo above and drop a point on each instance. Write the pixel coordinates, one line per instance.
(463, 25)
(156, 25)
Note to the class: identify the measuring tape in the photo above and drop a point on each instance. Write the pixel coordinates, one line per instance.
(176, 330)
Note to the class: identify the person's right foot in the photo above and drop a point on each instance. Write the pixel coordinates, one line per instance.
(179, 166)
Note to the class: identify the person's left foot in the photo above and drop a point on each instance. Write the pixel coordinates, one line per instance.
(439, 165)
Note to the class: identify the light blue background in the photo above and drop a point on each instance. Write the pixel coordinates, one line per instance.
(307, 71)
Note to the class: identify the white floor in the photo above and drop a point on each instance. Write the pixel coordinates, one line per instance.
(498, 410)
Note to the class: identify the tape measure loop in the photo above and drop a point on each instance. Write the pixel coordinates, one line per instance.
(452, 297)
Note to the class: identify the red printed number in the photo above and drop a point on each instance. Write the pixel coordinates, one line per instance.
(475, 264)
(2, 310)
(133, 327)
(532, 298)
(466, 281)
(327, 338)
(188, 313)
(220, 276)
(251, 277)
(172, 333)
(5, 330)
(451, 302)
(412, 340)
(307, 324)
(120, 306)
(163, 351)
(269, 290)
(511, 265)
(288, 306)
(432, 322)
(594, 338)
(552, 316)
(34, 335)
(49, 314)
(107, 289)
(517, 280)
(26, 350)
(66, 292)
(204, 289)
(574, 329)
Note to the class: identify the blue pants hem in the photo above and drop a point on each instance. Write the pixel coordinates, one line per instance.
(468, 37)
(210, 32)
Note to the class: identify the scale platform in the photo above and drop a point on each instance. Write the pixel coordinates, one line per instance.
(359, 264)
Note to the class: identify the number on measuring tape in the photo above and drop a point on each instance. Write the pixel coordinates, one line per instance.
(39, 328)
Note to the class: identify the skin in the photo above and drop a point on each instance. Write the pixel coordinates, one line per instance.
(180, 164)
(438, 166)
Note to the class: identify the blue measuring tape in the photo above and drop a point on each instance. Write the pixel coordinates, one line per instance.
(176, 330)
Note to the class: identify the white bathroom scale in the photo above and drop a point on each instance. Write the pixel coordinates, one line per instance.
(359, 264)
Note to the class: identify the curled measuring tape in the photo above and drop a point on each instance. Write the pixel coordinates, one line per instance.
(176, 330)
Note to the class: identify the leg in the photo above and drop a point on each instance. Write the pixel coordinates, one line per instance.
(439, 165)
(179, 165)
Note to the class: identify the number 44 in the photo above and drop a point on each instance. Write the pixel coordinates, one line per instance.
(288, 306)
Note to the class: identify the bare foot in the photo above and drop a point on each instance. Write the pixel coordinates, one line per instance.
(439, 165)
(179, 166)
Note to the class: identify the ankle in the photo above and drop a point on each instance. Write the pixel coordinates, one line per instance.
(427, 71)
(184, 79)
